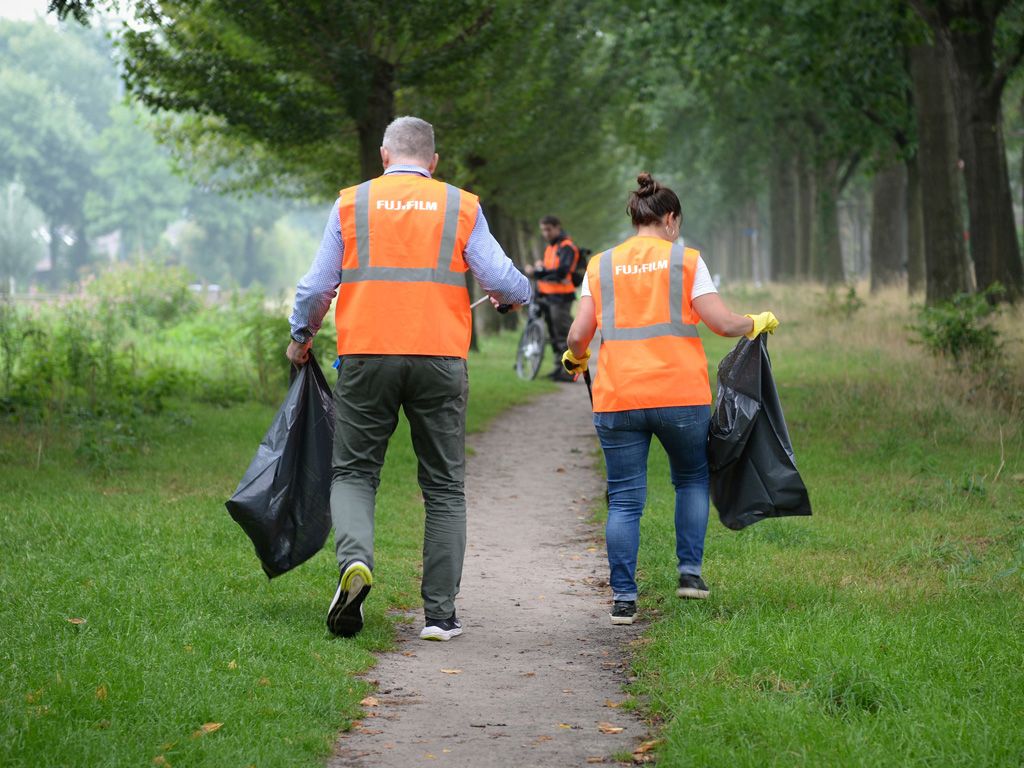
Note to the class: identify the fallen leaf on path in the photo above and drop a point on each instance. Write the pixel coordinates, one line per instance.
(560, 469)
(543, 738)
(609, 728)
(529, 674)
(452, 671)
(567, 690)
(564, 725)
(370, 701)
(101, 693)
(206, 728)
(408, 653)
(647, 746)
(76, 621)
(597, 759)
(370, 731)
(612, 704)
(430, 756)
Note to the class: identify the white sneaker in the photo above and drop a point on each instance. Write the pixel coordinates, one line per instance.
(441, 629)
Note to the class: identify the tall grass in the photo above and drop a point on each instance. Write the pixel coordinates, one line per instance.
(885, 629)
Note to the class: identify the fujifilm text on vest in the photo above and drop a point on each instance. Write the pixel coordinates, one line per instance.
(406, 205)
(634, 269)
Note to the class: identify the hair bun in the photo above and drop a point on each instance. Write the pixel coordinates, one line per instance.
(647, 186)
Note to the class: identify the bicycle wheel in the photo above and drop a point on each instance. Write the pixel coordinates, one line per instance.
(530, 354)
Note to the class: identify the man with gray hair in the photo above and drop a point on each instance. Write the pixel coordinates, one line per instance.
(396, 251)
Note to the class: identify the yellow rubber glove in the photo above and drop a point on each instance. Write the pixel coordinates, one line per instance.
(575, 365)
(765, 322)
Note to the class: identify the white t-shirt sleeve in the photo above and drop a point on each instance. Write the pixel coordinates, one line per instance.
(702, 282)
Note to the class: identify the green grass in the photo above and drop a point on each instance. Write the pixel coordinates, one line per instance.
(884, 630)
(180, 626)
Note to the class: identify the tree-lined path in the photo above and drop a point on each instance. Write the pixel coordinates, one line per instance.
(529, 682)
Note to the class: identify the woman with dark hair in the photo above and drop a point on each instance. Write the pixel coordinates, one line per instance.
(646, 296)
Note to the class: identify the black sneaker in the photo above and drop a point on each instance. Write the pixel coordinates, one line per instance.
(692, 587)
(345, 616)
(441, 629)
(623, 611)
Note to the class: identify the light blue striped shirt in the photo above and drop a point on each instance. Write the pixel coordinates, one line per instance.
(484, 256)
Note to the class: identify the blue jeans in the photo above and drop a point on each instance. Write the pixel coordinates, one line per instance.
(626, 440)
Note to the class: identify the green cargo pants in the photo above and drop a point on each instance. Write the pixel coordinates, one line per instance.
(433, 392)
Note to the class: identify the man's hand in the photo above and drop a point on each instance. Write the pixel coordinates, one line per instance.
(764, 322)
(504, 308)
(298, 353)
(575, 365)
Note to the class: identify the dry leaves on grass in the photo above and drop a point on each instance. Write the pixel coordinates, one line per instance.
(609, 728)
(370, 701)
(206, 728)
(452, 671)
(76, 621)
(161, 761)
(612, 704)
(101, 693)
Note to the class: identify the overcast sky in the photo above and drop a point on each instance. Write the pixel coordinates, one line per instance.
(22, 9)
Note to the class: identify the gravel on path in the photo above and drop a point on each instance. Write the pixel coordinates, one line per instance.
(533, 679)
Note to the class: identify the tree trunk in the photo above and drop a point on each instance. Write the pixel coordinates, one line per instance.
(805, 220)
(945, 256)
(888, 201)
(915, 229)
(829, 251)
(783, 213)
(376, 113)
(54, 246)
(993, 231)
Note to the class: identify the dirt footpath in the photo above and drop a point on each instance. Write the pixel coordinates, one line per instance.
(528, 682)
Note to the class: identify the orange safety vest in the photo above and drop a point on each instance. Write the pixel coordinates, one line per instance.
(651, 355)
(551, 262)
(403, 275)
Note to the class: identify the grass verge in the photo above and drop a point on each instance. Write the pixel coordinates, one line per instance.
(135, 612)
(886, 629)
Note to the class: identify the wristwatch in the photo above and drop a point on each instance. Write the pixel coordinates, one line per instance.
(301, 336)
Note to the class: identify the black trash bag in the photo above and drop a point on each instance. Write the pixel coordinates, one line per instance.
(750, 457)
(283, 502)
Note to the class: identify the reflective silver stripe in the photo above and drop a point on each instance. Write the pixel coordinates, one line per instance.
(675, 326)
(675, 288)
(404, 275)
(441, 273)
(451, 228)
(363, 223)
(607, 294)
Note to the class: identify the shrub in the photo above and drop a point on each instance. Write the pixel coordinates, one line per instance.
(144, 295)
(846, 307)
(961, 330)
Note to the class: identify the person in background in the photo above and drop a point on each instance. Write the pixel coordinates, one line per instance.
(399, 247)
(646, 296)
(555, 289)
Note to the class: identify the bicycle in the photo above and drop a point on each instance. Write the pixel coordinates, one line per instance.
(532, 342)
